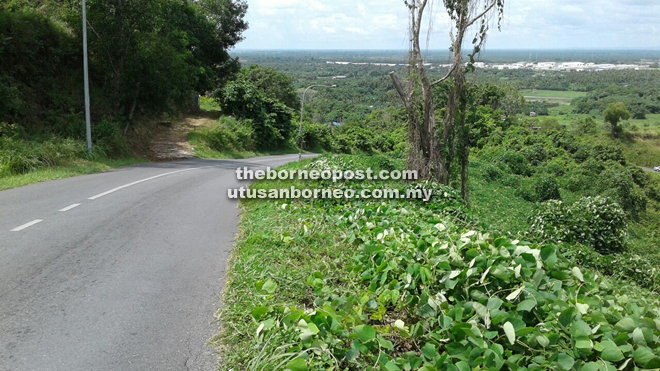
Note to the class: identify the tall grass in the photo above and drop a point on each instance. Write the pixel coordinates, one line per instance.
(18, 156)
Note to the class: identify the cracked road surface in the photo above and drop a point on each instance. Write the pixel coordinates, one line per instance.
(120, 270)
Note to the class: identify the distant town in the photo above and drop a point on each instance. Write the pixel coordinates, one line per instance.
(540, 66)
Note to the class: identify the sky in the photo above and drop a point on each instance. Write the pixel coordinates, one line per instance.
(382, 24)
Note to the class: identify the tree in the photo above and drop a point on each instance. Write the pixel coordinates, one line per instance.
(273, 84)
(614, 113)
(432, 149)
(270, 119)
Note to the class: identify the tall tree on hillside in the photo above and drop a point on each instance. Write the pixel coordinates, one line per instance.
(432, 148)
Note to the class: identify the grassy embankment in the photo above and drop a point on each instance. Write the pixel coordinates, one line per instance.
(397, 285)
(71, 168)
(26, 160)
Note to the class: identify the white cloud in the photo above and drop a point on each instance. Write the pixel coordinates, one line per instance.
(382, 24)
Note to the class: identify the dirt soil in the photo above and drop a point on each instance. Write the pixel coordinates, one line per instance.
(171, 143)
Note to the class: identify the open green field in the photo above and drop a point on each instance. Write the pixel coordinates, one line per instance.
(552, 93)
(552, 96)
(563, 98)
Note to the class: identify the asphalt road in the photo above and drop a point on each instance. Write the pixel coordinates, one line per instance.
(129, 279)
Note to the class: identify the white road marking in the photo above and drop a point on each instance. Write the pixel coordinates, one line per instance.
(166, 174)
(27, 225)
(70, 207)
(146, 180)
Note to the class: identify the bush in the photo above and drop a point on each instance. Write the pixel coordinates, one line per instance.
(628, 267)
(228, 134)
(558, 166)
(518, 163)
(587, 126)
(109, 137)
(317, 137)
(492, 172)
(271, 120)
(593, 221)
(638, 175)
(606, 153)
(546, 188)
(599, 222)
(616, 182)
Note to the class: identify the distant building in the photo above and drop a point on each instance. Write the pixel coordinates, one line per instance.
(339, 77)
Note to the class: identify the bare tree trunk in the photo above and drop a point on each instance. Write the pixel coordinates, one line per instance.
(465, 175)
(431, 153)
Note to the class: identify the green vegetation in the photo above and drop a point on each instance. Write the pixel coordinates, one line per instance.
(230, 138)
(29, 159)
(394, 285)
(65, 169)
(614, 113)
(148, 59)
(370, 285)
(552, 94)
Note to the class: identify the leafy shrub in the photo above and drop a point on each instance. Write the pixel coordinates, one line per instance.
(517, 162)
(9, 130)
(606, 153)
(109, 136)
(228, 134)
(354, 139)
(600, 223)
(616, 182)
(546, 188)
(627, 267)
(492, 172)
(317, 137)
(270, 119)
(559, 165)
(653, 188)
(535, 154)
(587, 126)
(638, 175)
(591, 221)
(551, 222)
(525, 189)
(10, 103)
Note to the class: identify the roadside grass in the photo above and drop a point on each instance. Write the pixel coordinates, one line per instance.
(275, 246)
(70, 169)
(204, 151)
(285, 248)
(228, 138)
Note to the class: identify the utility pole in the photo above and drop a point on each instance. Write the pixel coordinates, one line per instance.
(88, 123)
(302, 112)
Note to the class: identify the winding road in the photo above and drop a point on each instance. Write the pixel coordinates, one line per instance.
(120, 270)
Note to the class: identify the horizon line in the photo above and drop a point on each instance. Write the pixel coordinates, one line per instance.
(635, 49)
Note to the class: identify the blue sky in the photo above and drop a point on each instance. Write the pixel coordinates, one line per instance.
(382, 24)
